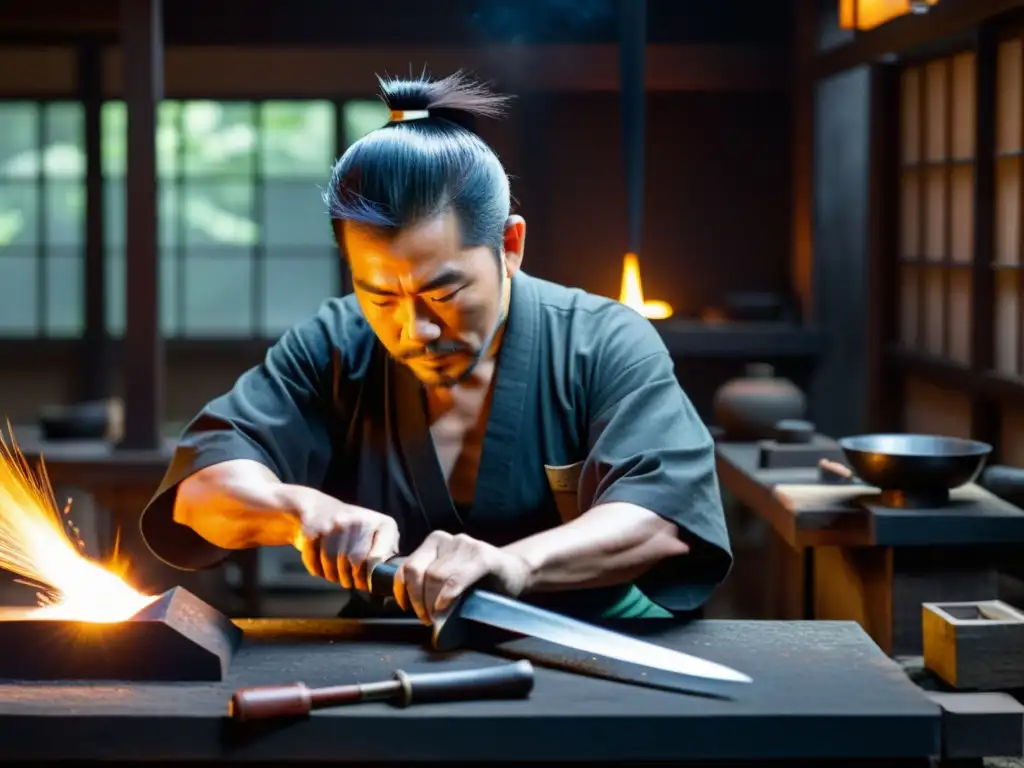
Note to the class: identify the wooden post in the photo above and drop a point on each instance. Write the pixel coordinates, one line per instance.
(94, 373)
(142, 351)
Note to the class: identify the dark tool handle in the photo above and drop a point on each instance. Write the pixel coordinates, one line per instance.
(1005, 482)
(382, 577)
(449, 631)
(508, 681)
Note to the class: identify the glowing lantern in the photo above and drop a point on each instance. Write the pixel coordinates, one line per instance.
(868, 14)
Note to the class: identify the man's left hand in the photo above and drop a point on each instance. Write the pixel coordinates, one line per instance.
(445, 566)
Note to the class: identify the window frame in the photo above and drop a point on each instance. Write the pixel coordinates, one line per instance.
(988, 389)
(41, 348)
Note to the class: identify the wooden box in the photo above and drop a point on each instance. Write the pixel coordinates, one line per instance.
(975, 645)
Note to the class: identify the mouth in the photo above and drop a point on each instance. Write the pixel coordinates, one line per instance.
(435, 358)
(437, 361)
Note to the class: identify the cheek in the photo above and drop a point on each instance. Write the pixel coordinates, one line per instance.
(474, 317)
(381, 320)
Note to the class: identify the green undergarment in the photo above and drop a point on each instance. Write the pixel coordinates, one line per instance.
(621, 602)
(635, 605)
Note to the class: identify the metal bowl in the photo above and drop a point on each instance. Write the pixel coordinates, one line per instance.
(921, 468)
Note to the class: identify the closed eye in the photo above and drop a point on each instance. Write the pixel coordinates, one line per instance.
(449, 297)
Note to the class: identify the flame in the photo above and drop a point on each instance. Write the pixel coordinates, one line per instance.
(35, 545)
(632, 292)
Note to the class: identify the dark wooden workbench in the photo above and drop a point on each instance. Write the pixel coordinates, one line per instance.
(822, 691)
(870, 564)
(808, 524)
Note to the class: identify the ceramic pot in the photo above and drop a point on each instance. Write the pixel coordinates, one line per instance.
(748, 408)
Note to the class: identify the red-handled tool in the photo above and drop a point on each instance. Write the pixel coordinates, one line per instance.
(507, 681)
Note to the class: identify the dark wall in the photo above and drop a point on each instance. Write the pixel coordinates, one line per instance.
(717, 196)
(412, 22)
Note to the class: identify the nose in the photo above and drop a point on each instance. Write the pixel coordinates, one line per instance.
(417, 325)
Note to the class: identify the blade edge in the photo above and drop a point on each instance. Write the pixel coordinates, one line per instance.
(514, 616)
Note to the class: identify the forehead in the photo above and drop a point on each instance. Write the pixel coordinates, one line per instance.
(418, 249)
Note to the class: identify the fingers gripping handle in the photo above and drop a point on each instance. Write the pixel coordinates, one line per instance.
(449, 630)
(382, 577)
(507, 681)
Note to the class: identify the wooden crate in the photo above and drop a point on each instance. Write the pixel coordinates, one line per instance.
(975, 645)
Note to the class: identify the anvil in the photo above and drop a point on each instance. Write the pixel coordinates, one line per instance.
(177, 637)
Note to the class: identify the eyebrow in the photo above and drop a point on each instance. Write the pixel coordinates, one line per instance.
(444, 279)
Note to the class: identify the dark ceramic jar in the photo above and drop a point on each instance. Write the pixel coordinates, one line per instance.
(748, 408)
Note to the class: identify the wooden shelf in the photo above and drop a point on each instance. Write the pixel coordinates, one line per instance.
(751, 341)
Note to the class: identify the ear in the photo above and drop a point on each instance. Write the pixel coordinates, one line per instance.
(515, 242)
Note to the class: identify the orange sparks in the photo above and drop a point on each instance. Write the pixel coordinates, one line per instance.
(43, 547)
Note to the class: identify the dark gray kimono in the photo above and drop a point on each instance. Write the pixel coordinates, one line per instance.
(586, 410)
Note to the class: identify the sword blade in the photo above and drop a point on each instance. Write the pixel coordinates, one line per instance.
(510, 615)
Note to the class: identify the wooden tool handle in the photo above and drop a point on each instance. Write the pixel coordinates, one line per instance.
(269, 701)
(506, 681)
(382, 577)
(834, 472)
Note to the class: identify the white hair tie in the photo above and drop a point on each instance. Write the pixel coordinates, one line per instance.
(400, 116)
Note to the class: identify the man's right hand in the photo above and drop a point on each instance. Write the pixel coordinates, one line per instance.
(340, 541)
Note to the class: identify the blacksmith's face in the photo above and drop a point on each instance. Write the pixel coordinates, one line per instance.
(433, 304)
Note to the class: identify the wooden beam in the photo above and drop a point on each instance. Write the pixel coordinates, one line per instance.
(805, 28)
(311, 72)
(143, 359)
(945, 20)
(885, 406)
(94, 375)
(986, 414)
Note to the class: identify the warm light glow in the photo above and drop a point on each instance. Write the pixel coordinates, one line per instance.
(632, 292)
(36, 544)
(868, 14)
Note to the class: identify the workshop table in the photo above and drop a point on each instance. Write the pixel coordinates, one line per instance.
(847, 561)
(822, 691)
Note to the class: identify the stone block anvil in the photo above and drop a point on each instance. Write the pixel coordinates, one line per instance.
(176, 638)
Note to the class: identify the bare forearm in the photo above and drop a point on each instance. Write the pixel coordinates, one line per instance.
(239, 504)
(610, 544)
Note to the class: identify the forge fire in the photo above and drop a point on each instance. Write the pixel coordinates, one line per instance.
(39, 543)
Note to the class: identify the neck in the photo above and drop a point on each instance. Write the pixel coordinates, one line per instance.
(495, 346)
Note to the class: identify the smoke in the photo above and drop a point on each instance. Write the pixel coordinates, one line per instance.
(540, 21)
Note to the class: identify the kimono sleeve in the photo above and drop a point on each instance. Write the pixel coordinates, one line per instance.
(277, 414)
(649, 447)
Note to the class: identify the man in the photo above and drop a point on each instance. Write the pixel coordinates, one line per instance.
(491, 426)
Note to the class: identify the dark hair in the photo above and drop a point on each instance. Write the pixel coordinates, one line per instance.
(409, 171)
